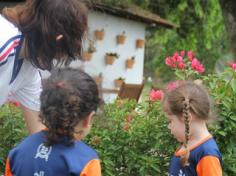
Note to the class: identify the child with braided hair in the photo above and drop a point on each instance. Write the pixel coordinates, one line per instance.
(187, 109)
(68, 102)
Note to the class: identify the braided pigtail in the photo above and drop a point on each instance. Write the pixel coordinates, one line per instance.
(186, 115)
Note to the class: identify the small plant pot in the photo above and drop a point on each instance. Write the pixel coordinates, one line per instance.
(140, 43)
(118, 82)
(109, 60)
(130, 63)
(99, 34)
(87, 56)
(120, 39)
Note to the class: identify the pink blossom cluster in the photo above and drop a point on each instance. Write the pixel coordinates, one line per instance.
(155, 95)
(197, 66)
(173, 85)
(233, 66)
(177, 61)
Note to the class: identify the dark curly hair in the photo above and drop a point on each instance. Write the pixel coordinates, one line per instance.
(41, 21)
(68, 96)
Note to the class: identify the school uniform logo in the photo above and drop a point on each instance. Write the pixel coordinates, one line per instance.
(43, 152)
(181, 173)
(41, 173)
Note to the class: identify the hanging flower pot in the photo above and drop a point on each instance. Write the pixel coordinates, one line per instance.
(120, 39)
(99, 34)
(118, 82)
(87, 56)
(140, 43)
(130, 62)
(110, 58)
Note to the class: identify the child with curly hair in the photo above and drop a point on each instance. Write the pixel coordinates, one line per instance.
(68, 102)
(187, 109)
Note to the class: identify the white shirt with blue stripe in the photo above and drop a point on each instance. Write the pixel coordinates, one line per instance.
(19, 80)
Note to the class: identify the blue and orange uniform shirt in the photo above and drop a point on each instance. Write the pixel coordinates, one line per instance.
(204, 160)
(32, 157)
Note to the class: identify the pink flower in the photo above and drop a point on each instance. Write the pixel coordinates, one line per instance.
(172, 85)
(179, 59)
(197, 66)
(181, 65)
(126, 126)
(128, 118)
(233, 66)
(190, 55)
(174, 57)
(182, 53)
(155, 95)
(169, 61)
(176, 54)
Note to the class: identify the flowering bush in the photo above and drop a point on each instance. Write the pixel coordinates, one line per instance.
(185, 66)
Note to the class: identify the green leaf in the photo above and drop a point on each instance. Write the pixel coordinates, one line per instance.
(180, 75)
(233, 85)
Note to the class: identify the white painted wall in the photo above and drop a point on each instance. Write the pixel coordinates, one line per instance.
(113, 26)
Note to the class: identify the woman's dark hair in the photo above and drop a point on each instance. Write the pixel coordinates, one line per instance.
(189, 98)
(41, 21)
(68, 96)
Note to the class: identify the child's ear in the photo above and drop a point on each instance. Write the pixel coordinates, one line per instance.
(88, 120)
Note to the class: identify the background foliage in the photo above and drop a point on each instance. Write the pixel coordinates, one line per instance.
(201, 29)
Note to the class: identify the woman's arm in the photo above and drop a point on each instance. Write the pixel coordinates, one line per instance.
(32, 120)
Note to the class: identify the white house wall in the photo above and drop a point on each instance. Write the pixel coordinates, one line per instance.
(113, 26)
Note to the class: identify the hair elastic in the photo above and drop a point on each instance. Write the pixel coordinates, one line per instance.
(61, 85)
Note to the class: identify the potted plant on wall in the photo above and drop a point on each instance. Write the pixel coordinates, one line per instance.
(119, 81)
(130, 62)
(99, 34)
(140, 43)
(120, 39)
(87, 55)
(110, 58)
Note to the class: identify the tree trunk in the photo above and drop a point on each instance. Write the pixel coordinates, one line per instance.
(229, 13)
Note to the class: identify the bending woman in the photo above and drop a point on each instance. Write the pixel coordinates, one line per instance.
(34, 36)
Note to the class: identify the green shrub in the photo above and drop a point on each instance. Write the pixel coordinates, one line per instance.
(223, 90)
(132, 138)
(12, 130)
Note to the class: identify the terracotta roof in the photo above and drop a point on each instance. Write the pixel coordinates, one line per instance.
(133, 13)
